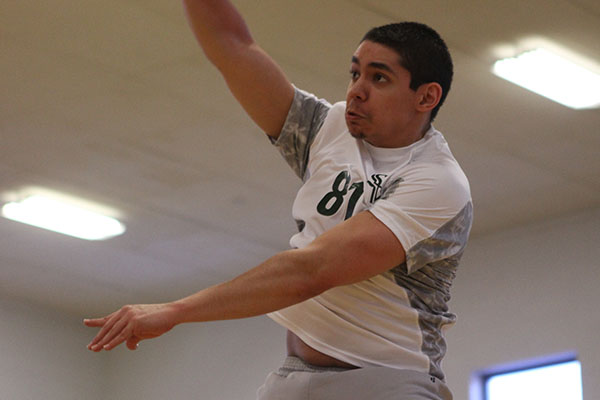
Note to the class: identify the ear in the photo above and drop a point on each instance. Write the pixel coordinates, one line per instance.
(428, 96)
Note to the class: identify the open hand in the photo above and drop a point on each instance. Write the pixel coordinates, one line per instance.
(131, 324)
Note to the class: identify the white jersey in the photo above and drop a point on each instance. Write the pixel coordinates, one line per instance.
(395, 319)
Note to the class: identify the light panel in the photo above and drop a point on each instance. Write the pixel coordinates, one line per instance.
(63, 217)
(553, 76)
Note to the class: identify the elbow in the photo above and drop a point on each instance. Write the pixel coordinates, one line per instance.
(227, 52)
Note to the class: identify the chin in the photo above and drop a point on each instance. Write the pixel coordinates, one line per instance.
(357, 135)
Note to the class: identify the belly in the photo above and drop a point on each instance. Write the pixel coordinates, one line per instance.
(297, 348)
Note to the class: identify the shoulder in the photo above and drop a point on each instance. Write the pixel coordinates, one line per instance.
(307, 107)
(431, 182)
(435, 167)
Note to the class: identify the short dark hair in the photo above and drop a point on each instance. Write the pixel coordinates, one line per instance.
(422, 52)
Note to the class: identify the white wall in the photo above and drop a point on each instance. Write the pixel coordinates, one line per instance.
(519, 294)
(212, 361)
(43, 356)
(526, 293)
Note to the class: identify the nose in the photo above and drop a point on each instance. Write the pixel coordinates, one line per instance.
(357, 90)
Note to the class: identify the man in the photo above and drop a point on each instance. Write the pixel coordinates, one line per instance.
(383, 215)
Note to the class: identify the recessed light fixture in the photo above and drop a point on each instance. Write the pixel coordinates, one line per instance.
(63, 215)
(553, 76)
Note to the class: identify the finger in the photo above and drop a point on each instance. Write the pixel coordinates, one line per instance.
(98, 322)
(94, 322)
(133, 342)
(122, 336)
(117, 329)
(93, 345)
(110, 320)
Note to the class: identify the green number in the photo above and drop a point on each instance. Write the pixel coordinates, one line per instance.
(357, 190)
(332, 201)
(338, 190)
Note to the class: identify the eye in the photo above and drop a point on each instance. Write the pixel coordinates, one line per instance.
(379, 78)
(354, 74)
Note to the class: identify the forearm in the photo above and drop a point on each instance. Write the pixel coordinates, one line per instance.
(255, 80)
(218, 27)
(283, 280)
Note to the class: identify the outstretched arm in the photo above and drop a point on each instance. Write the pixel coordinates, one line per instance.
(253, 77)
(355, 250)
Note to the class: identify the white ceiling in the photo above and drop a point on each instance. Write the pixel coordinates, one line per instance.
(113, 101)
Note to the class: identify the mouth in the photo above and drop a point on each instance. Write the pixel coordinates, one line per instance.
(353, 115)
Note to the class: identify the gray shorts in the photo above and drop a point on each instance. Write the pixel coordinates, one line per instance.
(297, 380)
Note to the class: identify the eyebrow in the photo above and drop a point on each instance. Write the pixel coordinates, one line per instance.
(374, 64)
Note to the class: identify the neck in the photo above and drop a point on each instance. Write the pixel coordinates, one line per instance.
(406, 137)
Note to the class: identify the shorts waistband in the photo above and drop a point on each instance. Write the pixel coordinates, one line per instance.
(296, 364)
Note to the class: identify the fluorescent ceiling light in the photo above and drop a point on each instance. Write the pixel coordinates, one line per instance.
(552, 76)
(63, 217)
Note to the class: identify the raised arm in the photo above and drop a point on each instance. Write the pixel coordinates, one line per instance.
(255, 80)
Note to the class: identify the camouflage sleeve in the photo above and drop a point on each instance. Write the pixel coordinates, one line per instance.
(430, 213)
(305, 118)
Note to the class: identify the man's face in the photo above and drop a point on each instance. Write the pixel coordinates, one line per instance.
(380, 106)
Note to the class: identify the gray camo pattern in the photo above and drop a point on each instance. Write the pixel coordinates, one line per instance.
(428, 287)
(304, 120)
